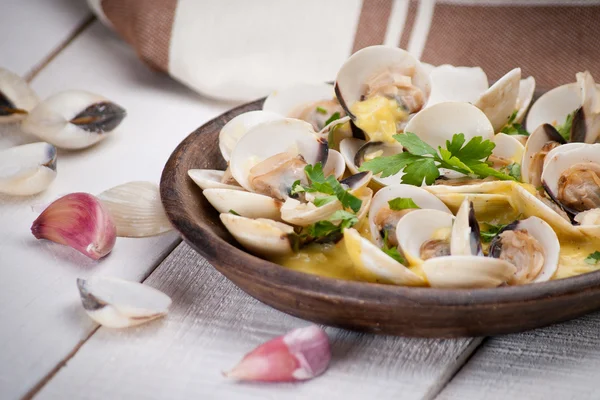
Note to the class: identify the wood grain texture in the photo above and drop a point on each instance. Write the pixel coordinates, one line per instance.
(42, 319)
(409, 311)
(212, 324)
(558, 362)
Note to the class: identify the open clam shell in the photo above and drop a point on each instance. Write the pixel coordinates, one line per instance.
(370, 61)
(335, 164)
(246, 204)
(304, 214)
(232, 131)
(27, 169)
(376, 266)
(586, 122)
(422, 198)
(508, 148)
(458, 118)
(271, 138)
(356, 151)
(423, 232)
(116, 303)
(526, 92)
(499, 101)
(211, 179)
(73, 119)
(465, 239)
(462, 84)
(261, 236)
(537, 149)
(16, 97)
(467, 272)
(554, 106)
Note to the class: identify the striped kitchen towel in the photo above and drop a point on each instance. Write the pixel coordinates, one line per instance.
(243, 49)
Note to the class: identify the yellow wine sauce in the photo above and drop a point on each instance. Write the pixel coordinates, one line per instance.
(378, 117)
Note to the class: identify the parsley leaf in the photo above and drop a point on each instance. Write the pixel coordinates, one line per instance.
(334, 116)
(514, 170)
(514, 128)
(419, 171)
(321, 110)
(492, 230)
(391, 251)
(326, 185)
(402, 203)
(321, 201)
(234, 212)
(388, 166)
(322, 229)
(565, 128)
(593, 258)
(414, 144)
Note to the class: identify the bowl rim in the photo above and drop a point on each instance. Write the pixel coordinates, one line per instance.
(331, 288)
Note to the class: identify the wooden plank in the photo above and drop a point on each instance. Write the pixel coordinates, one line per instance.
(212, 324)
(41, 317)
(32, 29)
(557, 362)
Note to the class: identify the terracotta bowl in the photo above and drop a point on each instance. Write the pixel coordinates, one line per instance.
(371, 307)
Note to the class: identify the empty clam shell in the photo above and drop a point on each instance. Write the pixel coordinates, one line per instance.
(73, 119)
(508, 148)
(586, 122)
(465, 239)
(526, 92)
(211, 179)
(16, 97)
(499, 101)
(246, 204)
(27, 169)
(376, 266)
(554, 106)
(263, 237)
(136, 209)
(467, 272)
(116, 303)
(232, 131)
(450, 83)
(458, 118)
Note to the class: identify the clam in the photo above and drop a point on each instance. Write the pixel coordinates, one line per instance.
(379, 87)
(540, 143)
(508, 150)
(246, 204)
(462, 84)
(116, 303)
(261, 236)
(335, 164)
(73, 119)
(355, 152)
(572, 178)
(233, 130)
(532, 246)
(467, 272)
(465, 237)
(375, 265)
(313, 103)
(16, 97)
(211, 179)
(382, 219)
(271, 156)
(586, 122)
(554, 106)
(526, 92)
(27, 169)
(458, 117)
(498, 102)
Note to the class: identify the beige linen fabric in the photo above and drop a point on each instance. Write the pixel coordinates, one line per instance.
(243, 49)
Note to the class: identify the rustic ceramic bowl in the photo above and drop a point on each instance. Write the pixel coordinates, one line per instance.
(360, 306)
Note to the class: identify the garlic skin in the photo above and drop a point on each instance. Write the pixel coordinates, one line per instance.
(80, 221)
(117, 303)
(299, 355)
(16, 97)
(73, 119)
(136, 209)
(28, 169)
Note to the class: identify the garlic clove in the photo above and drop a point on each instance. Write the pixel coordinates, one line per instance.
(73, 119)
(299, 355)
(16, 97)
(27, 169)
(136, 209)
(80, 221)
(116, 303)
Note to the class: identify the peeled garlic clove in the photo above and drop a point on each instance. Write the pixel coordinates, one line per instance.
(80, 221)
(296, 356)
(136, 209)
(117, 303)
(73, 119)
(27, 169)
(16, 97)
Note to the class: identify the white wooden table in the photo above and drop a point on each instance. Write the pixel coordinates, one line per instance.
(50, 349)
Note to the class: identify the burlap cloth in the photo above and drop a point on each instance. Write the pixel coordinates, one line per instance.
(243, 49)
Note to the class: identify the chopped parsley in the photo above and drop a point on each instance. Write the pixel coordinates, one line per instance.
(321, 110)
(391, 251)
(234, 212)
(322, 229)
(334, 116)
(514, 170)
(514, 128)
(593, 258)
(402, 203)
(565, 128)
(492, 230)
(326, 185)
(420, 162)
